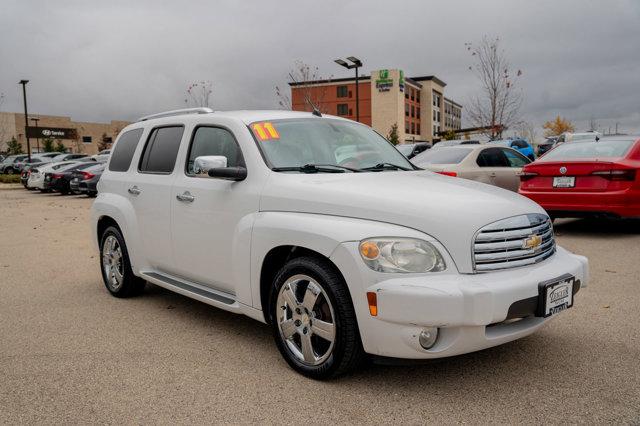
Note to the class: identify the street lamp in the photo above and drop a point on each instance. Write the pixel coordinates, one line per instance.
(35, 120)
(26, 120)
(356, 63)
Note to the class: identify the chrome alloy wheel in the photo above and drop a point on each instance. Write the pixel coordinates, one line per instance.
(112, 262)
(306, 320)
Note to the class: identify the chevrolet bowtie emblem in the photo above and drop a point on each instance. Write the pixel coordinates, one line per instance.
(532, 242)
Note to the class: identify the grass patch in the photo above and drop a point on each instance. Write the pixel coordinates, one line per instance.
(9, 178)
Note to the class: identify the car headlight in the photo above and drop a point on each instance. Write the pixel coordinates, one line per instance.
(408, 255)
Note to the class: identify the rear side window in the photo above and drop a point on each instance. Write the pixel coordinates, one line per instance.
(214, 141)
(160, 152)
(123, 153)
(492, 157)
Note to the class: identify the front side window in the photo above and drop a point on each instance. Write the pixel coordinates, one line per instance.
(294, 143)
(515, 158)
(123, 151)
(214, 141)
(159, 155)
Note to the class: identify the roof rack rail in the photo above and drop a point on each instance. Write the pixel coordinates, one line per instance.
(183, 111)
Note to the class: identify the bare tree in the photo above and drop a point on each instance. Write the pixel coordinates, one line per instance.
(313, 96)
(593, 124)
(497, 105)
(199, 94)
(527, 130)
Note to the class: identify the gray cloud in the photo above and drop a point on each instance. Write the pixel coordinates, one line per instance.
(121, 59)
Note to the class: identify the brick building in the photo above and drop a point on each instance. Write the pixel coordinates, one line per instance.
(87, 135)
(417, 104)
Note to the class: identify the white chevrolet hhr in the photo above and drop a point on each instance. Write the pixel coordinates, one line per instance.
(318, 226)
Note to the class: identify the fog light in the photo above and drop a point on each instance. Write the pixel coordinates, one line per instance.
(428, 337)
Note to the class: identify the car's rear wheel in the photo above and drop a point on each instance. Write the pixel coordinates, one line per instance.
(8, 170)
(313, 320)
(116, 269)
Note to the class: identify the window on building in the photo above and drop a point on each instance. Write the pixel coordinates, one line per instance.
(343, 109)
(413, 95)
(406, 126)
(434, 115)
(343, 91)
(406, 110)
(86, 139)
(350, 94)
(438, 116)
(417, 112)
(418, 128)
(159, 155)
(406, 93)
(413, 128)
(417, 95)
(413, 111)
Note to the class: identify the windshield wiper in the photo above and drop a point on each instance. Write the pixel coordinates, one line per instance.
(316, 168)
(386, 166)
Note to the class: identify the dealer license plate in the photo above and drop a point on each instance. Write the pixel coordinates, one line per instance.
(564, 181)
(556, 295)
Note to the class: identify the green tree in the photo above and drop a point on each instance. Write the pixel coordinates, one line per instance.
(449, 135)
(14, 147)
(60, 147)
(104, 142)
(47, 145)
(393, 134)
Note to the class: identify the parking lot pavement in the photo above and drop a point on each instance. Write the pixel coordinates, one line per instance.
(72, 353)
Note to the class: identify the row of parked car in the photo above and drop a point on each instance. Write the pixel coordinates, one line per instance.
(55, 172)
(575, 178)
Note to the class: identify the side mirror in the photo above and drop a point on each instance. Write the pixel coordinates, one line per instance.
(203, 164)
(230, 173)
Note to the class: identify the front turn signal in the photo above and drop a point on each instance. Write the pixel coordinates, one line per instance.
(372, 299)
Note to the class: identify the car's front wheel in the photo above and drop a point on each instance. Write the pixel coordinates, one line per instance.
(116, 269)
(8, 171)
(313, 320)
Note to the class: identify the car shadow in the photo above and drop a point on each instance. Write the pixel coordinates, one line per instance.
(501, 364)
(596, 227)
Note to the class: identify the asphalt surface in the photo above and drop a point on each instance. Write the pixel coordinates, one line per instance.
(70, 352)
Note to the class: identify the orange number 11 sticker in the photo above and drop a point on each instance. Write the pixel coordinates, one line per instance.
(265, 131)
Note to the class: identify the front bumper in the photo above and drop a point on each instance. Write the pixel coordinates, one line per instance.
(469, 309)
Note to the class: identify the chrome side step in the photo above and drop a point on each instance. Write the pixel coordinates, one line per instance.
(193, 290)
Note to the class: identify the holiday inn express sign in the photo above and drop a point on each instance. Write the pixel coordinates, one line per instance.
(51, 132)
(384, 83)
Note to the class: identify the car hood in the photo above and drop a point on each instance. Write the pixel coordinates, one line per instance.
(449, 209)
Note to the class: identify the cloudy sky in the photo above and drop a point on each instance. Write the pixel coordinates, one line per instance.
(102, 60)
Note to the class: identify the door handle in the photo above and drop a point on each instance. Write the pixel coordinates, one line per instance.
(186, 197)
(492, 174)
(134, 190)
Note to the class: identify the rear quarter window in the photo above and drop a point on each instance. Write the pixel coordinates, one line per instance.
(123, 151)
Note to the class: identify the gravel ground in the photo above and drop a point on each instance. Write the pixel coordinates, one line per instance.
(72, 353)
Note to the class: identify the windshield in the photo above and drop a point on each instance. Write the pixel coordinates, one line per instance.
(294, 143)
(588, 150)
(442, 156)
(405, 149)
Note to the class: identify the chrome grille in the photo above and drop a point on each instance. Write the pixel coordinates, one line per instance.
(511, 243)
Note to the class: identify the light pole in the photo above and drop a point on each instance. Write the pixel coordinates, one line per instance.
(26, 120)
(356, 63)
(35, 120)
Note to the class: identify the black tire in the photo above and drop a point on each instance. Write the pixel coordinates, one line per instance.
(130, 285)
(8, 171)
(347, 353)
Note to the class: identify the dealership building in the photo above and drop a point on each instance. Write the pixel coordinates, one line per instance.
(76, 136)
(417, 105)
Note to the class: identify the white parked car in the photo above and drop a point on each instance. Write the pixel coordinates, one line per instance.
(37, 174)
(251, 212)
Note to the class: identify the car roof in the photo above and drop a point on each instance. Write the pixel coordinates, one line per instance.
(246, 116)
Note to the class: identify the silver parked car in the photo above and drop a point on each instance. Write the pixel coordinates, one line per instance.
(494, 165)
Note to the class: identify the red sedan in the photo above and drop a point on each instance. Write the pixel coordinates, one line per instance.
(584, 178)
